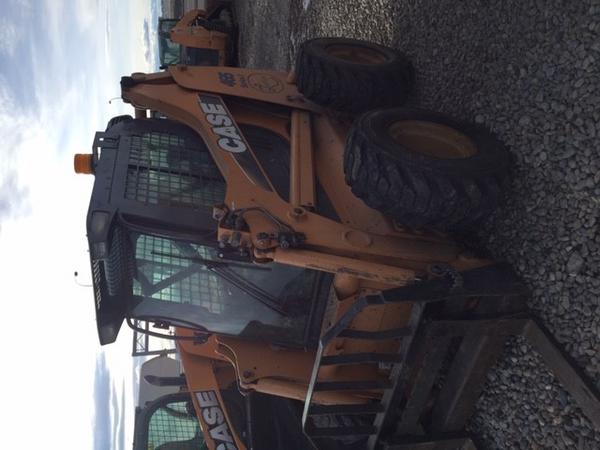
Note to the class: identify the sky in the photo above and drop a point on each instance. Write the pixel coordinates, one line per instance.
(60, 64)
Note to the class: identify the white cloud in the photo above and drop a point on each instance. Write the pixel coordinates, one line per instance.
(149, 39)
(14, 129)
(24, 6)
(10, 37)
(54, 13)
(42, 240)
(87, 12)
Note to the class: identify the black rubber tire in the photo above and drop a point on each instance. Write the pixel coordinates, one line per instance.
(418, 190)
(348, 86)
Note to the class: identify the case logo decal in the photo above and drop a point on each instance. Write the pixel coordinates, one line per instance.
(230, 137)
(213, 416)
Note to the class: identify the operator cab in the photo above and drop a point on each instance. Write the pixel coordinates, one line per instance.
(164, 416)
(171, 53)
(168, 423)
(154, 250)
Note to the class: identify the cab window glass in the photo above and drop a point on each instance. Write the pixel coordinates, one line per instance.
(169, 51)
(190, 282)
(174, 426)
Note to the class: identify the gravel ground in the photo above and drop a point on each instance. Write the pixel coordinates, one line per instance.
(528, 70)
(269, 48)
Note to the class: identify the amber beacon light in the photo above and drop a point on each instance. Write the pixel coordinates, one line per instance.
(83, 163)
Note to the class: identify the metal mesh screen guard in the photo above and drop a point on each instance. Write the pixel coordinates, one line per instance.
(163, 171)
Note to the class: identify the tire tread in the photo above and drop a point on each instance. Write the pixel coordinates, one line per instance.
(351, 88)
(419, 197)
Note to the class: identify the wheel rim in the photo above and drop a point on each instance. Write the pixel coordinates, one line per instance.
(356, 54)
(432, 139)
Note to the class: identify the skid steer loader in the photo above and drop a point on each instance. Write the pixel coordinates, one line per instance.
(166, 418)
(199, 38)
(294, 234)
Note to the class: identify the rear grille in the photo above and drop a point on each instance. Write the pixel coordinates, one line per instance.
(97, 279)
